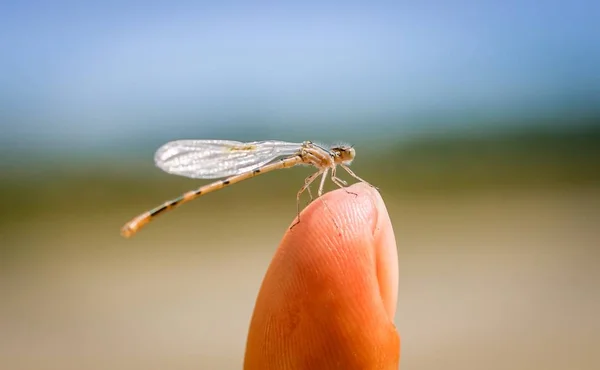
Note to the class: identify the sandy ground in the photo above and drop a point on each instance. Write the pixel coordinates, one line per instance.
(486, 282)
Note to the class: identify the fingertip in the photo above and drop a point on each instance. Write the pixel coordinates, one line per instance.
(331, 286)
(347, 210)
(344, 216)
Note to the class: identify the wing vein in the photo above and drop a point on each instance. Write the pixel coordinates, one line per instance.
(209, 159)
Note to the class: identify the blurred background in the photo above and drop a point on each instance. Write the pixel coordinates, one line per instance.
(479, 121)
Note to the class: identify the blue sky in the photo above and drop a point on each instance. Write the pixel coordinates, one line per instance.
(75, 73)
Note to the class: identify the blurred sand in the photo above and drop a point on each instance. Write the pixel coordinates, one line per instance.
(494, 281)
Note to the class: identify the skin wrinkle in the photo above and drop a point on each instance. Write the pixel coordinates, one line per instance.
(361, 214)
(316, 307)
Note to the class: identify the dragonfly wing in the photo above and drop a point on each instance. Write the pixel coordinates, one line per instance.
(210, 159)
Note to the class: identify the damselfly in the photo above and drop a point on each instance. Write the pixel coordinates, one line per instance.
(237, 161)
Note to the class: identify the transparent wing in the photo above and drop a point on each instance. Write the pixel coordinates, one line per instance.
(210, 159)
